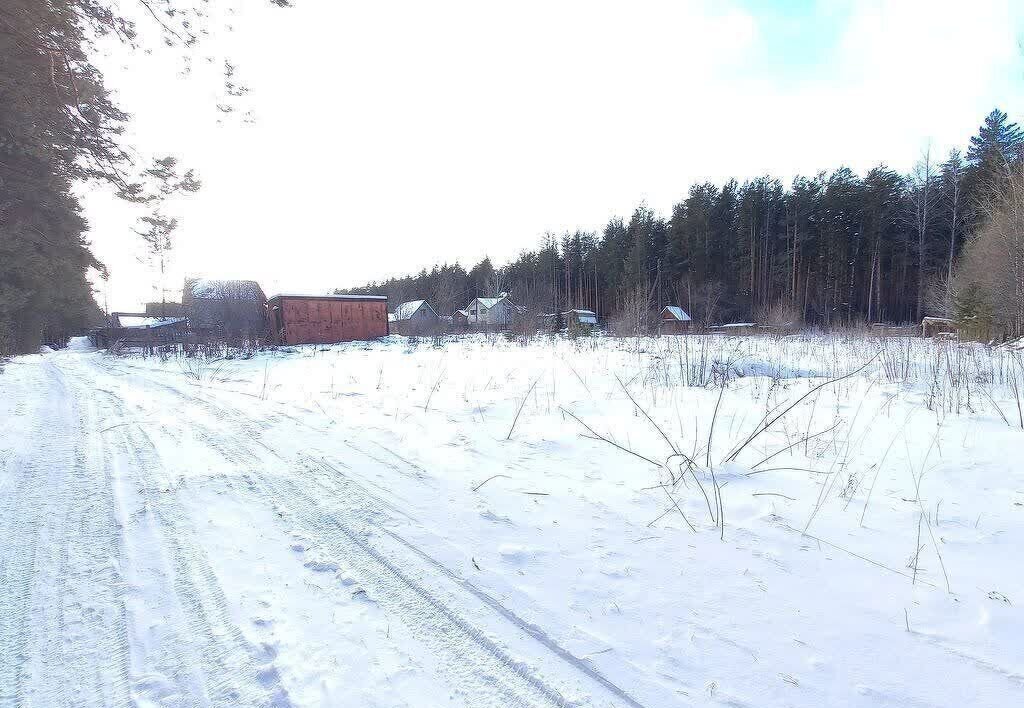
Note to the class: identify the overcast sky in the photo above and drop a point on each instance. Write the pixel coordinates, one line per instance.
(393, 135)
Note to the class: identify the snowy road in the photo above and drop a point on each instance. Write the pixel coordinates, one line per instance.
(159, 546)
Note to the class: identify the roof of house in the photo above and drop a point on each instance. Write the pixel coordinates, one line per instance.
(143, 322)
(407, 309)
(487, 303)
(315, 296)
(677, 312)
(209, 289)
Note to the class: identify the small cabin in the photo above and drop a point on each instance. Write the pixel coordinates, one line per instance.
(586, 319)
(935, 326)
(674, 320)
(415, 318)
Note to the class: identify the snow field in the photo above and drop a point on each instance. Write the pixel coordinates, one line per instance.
(487, 522)
(558, 522)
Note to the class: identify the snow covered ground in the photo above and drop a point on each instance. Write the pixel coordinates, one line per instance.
(596, 522)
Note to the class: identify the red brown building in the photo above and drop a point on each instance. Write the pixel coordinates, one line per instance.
(674, 320)
(325, 319)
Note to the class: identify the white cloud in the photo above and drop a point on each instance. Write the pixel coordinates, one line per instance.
(395, 135)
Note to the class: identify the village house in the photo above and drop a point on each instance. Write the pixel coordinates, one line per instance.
(674, 320)
(415, 318)
(233, 309)
(491, 312)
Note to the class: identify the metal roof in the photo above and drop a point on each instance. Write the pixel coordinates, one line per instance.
(208, 289)
(142, 322)
(406, 310)
(678, 313)
(307, 296)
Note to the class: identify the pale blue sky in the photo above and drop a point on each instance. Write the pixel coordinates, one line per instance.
(797, 38)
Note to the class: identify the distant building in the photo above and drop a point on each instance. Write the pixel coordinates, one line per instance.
(674, 320)
(580, 318)
(932, 326)
(491, 312)
(415, 318)
(460, 319)
(570, 319)
(235, 309)
(325, 319)
(139, 329)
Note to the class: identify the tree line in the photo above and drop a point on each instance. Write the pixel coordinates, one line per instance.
(833, 249)
(60, 128)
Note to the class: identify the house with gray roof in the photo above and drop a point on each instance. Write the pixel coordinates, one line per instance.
(491, 312)
(415, 318)
(234, 309)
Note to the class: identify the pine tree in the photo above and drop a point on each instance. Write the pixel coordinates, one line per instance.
(59, 127)
(996, 147)
(972, 312)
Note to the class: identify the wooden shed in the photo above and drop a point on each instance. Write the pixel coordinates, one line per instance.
(938, 326)
(137, 329)
(325, 319)
(673, 320)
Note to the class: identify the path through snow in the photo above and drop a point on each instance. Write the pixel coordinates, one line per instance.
(121, 508)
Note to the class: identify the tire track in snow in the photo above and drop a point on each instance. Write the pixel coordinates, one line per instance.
(478, 669)
(204, 656)
(61, 609)
(476, 663)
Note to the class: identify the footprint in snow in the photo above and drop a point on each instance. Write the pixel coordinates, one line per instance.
(491, 516)
(322, 566)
